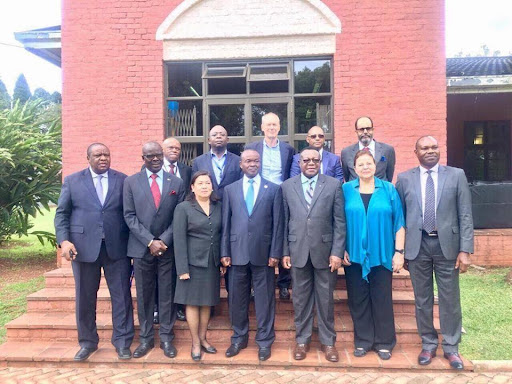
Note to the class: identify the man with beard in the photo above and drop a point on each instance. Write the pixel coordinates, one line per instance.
(383, 154)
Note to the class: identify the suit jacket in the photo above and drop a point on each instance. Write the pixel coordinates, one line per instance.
(81, 219)
(196, 235)
(384, 158)
(331, 165)
(144, 220)
(318, 232)
(185, 174)
(232, 171)
(257, 237)
(454, 220)
(286, 150)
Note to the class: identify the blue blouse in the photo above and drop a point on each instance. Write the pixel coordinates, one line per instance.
(371, 236)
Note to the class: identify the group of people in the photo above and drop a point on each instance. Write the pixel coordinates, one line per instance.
(240, 217)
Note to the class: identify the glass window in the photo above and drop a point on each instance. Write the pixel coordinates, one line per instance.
(184, 79)
(258, 110)
(231, 117)
(185, 118)
(268, 72)
(312, 76)
(310, 111)
(219, 71)
(269, 86)
(189, 151)
(227, 86)
(236, 148)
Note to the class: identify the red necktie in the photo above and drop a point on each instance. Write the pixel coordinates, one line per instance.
(171, 168)
(366, 148)
(155, 191)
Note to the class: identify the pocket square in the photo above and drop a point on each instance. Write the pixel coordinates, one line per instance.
(383, 158)
(173, 192)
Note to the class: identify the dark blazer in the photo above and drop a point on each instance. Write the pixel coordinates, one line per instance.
(331, 165)
(196, 235)
(80, 218)
(454, 218)
(318, 232)
(232, 171)
(144, 220)
(257, 237)
(286, 150)
(384, 158)
(185, 174)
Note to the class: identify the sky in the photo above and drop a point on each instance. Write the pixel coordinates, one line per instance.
(469, 25)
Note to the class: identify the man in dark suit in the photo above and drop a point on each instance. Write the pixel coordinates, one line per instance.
(314, 243)
(276, 160)
(150, 197)
(383, 154)
(252, 245)
(224, 166)
(438, 238)
(91, 232)
(330, 165)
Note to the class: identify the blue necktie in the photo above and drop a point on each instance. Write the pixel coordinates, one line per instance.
(249, 197)
(429, 216)
(99, 189)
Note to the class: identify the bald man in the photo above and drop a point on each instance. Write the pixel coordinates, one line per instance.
(172, 165)
(330, 165)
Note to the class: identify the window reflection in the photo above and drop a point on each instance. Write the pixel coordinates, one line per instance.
(312, 76)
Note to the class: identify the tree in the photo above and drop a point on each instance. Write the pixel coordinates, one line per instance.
(5, 98)
(41, 93)
(30, 166)
(21, 90)
(56, 98)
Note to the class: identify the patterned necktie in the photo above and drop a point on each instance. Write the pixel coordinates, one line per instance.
(309, 193)
(249, 197)
(155, 191)
(171, 169)
(99, 189)
(429, 216)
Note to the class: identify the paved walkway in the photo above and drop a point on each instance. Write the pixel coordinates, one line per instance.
(213, 376)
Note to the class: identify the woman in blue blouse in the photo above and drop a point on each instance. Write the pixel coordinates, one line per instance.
(375, 248)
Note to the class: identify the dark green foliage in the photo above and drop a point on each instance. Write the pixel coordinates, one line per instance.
(56, 98)
(41, 93)
(5, 98)
(30, 165)
(21, 90)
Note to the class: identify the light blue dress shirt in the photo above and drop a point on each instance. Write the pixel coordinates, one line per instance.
(256, 185)
(159, 179)
(371, 235)
(218, 165)
(305, 182)
(271, 165)
(104, 181)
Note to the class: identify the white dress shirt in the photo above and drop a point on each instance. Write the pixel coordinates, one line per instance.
(423, 180)
(104, 181)
(256, 185)
(167, 168)
(371, 146)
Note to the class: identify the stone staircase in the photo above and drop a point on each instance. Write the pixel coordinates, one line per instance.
(46, 335)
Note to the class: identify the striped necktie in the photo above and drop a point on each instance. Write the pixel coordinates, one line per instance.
(309, 193)
(429, 216)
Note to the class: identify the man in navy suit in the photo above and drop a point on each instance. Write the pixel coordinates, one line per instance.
(221, 164)
(331, 164)
(149, 199)
(276, 160)
(252, 245)
(91, 232)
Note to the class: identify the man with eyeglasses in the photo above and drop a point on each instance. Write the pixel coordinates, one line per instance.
(149, 199)
(330, 164)
(383, 154)
(314, 244)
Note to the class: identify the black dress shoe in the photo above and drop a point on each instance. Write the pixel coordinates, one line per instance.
(84, 353)
(143, 349)
(384, 354)
(264, 353)
(234, 349)
(425, 357)
(284, 294)
(360, 352)
(210, 349)
(455, 360)
(180, 315)
(195, 356)
(169, 349)
(124, 353)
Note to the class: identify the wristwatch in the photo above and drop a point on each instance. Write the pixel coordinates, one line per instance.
(399, 251)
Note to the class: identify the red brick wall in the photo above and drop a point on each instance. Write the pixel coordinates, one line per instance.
(389, 64)
(492, 247)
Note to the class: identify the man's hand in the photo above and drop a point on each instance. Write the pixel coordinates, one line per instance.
(346, 260)
(286, 261)
(225, 261)
(157, 248)
(66, 247)
(273, 262)
(398, 262)
(185, 276)
(334, 262)
(222, 270)
(462, 262)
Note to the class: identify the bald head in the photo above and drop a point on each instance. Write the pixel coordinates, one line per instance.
(218, 138)
(172, 149)
(316, 137)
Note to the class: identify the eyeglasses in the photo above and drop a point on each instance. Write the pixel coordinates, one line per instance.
(151, 156)
(368, 129)
(320, 136)
(315, 161)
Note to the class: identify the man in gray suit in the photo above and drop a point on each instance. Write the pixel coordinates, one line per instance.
(149, 198)
(314, 243)
(439, 238)
(383, 154)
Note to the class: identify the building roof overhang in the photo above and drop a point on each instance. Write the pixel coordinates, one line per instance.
(44, 42)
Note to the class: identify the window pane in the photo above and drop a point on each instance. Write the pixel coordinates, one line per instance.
(310, 111)
(185, 118)
(269, 86)
(231, 117)
(474, 164)
(227, 86)
(189, 151)
(236, 148)
(264, 72)
(312, 76)
(258, 110)
(184, 79)
(225, 71)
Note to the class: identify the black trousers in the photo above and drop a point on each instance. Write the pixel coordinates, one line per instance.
(145, 269)
(87, 282)
(284, 278)
(371, 307)
(262, 278)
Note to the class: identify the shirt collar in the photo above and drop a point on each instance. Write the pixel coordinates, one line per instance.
(371, 146)
(256, 179)
(167, 163)
(214, 155)
(305, 180)
(434, 169)
(160, 173)
(268, 146)
(94, 174)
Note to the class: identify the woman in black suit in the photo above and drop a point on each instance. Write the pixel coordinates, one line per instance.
(197, 230)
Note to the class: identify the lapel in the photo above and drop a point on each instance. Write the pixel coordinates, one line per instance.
(227, 165)
(89, 184)
(378, 152)
(261, 193)
(441, 178)
(112, 181)
(209, 167)
(416, 180)
(325, 161)
(144, 184)
(297, 185)
(240, 194)
(318, 190)
(284, 156)
(166, 187)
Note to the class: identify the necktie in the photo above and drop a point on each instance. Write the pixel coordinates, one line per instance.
(249, 197)
(99, 189)
(429, 216)
(171, 169)
(366, 148)
(309, 193)
(155, 191)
